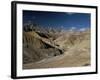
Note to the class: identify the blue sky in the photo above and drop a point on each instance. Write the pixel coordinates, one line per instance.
(65, 20)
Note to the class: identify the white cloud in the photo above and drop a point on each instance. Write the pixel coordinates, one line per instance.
(70, 13)
(82, 29)
(72, 29)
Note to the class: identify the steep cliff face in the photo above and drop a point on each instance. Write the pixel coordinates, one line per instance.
(35, 49)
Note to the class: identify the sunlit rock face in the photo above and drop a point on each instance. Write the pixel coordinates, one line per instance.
(35, 49)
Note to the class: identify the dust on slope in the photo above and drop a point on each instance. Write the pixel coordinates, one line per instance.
(35, 49)
(77, 52)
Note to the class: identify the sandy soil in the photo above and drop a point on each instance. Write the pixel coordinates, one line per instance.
(76, 53)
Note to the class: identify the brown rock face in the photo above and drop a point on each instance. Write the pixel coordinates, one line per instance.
(67, 49)
(35, 49)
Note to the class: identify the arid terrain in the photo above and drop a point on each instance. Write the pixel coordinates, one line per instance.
(53, 49)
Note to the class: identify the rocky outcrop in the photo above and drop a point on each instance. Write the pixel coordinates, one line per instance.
(35, 49)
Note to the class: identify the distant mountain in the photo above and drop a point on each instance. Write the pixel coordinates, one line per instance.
(69, 39)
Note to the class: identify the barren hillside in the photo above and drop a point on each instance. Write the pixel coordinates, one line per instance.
(69, 49)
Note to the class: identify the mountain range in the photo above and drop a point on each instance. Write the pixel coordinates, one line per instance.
(52, 49)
